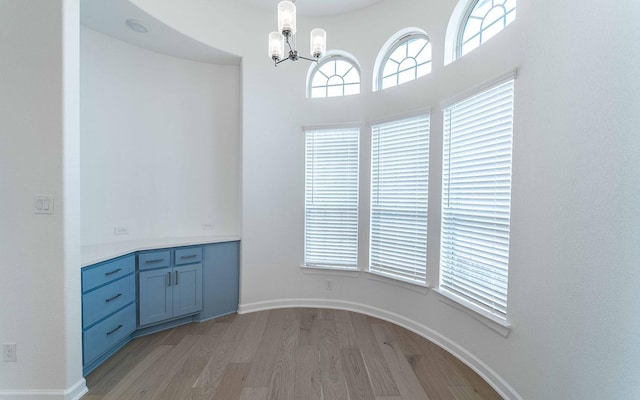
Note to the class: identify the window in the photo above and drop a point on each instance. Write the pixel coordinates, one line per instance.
(406, 59)
(334, 75)
(331, 198)
(476, 198)
(399, 191)
(483, 20)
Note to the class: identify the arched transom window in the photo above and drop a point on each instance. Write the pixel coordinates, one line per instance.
(407, 59)
(334, 76)
(484, 19)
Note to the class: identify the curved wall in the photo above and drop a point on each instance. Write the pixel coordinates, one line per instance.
(575, 234)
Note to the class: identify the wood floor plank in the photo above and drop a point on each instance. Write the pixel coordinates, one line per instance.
(346, 335)
(254, 393)
(112, 371)
(134, 374)
(184, 380)
(431, 378)
(381, 379)
(233, 379)
(308, 316)
(265, 358)
(281, 386)
(154, 380)
(250, 340)
(355, 373)
(464, 393)
(307, 374)
(404, 376)
(332, 381)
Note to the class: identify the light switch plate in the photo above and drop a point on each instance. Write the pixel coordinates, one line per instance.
(43, 204)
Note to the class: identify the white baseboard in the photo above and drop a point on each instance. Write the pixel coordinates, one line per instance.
(488, 374)
(75, 392)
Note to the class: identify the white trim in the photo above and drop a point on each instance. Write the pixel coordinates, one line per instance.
(75, 392)
(486, 85)
(483, 370)
(337, 271)
(491, 321)
(336, 125)
(399, 116)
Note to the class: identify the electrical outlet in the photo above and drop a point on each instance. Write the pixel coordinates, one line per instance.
(207, 227)
(120, 230)
(328, 284)
(9, 352)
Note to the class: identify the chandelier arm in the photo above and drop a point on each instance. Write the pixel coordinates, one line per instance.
(289, 43)
(281, 61)
(308, 59)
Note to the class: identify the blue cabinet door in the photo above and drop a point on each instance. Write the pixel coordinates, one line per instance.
(187, 289)
(155, 295)
(220, 279)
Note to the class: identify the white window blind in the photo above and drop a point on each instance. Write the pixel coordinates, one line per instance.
(476, 198)
(331, 198)
(399, 189)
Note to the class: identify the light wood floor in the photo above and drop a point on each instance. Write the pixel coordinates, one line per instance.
(304, 354)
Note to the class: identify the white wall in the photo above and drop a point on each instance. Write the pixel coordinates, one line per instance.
(160, 143)
(40, 254)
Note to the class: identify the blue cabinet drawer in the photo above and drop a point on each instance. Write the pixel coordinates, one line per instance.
(107, 272)
(108, 333)
(188, 256)
(107, 299)
(154, 259)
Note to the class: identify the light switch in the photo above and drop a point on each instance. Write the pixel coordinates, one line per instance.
(43, 205)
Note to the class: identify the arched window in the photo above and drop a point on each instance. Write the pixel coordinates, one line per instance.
(405, 57)
(336, 74)
(483, 19)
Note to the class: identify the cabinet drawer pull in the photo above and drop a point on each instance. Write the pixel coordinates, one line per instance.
(188, 257)
(169, 276)
(115, 271)
(114, 331)
(176, 278)
(154, 261)
(113, 298)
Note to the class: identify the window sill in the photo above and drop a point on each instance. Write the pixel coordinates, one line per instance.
(338, 271)
(491, 321)
(405, 284)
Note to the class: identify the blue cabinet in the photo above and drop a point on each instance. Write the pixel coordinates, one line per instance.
(147, 291)
(169, 292)
(108, 309)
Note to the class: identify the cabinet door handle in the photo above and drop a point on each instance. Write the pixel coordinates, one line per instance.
(169, 277)
(154, 261)
(176, 278)
(113, 298)
(188, 257)
(114, 331)
(115, 271)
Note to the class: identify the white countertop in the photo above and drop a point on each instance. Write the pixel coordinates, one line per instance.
(93, 254)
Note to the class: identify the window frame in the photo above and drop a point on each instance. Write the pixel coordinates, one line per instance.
(396, 41)
(489, 317)
(331, 57)
(463, 25)
(421, 119)
(348, 129)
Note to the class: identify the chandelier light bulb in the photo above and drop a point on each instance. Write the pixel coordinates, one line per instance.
(287, 18)
(318, 44)
(276, 46)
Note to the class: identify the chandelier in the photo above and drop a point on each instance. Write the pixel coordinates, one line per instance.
(287, 34)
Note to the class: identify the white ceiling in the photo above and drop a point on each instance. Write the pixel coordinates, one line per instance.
(315, 8)
(109, 16)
